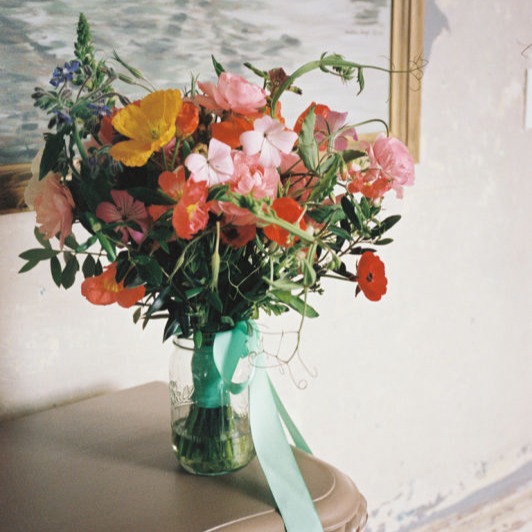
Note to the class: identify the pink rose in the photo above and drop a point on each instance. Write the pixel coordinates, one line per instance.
(54, 207)
(52, 201)
(394, 161)
(388, 165)
(232, 93)
(249, 177)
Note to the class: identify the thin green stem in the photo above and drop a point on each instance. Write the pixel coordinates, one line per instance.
(322, 63)
(79, 144)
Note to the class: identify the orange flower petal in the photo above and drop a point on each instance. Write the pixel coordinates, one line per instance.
(287, 209)
(229, 130)
(187, 121)
(127, 297)
(104, 290)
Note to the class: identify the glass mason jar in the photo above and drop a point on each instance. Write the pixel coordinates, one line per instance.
(211, 434)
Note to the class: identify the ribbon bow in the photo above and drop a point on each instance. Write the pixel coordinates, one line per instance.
(265, 413)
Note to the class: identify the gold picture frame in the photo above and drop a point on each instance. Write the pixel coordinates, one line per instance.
(406, 51)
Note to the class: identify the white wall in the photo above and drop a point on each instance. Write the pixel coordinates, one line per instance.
(419, 398)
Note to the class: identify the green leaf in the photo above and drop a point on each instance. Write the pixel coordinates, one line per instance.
(218, 192)
(227, 320)
(308, 147)
(386, 224)
(52, 150)
(351, 155)
(108, 246)
(330, 214)
(328, 171)
(365, 207)
(38, 254)
(70, 241)
(123, 266)
(218, 68)
(295, 303)
(28, 266)
(44, 242)
(186, 149)
(89, 266)
(87, 244)
(56, 271)
(69, 273)
(283, 284)
(159, 301)
(342, 233)
(383, 241)
(151, 196)
(150, 271)
(350, 212)
(360, 80)
(171, 328)
(389, 222)
(309, 274)
(137, 314)
(215, 301)
(98, 268)
(193, 292)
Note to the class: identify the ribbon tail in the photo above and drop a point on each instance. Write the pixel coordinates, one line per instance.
(296, 436)
(277, 459)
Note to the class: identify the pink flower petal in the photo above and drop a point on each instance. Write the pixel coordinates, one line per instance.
(252, 142)
(198, 166)
(283, 140)
(123, 200)
(269, 156)
(108, 212)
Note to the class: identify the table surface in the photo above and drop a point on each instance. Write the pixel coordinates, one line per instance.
(106, 464)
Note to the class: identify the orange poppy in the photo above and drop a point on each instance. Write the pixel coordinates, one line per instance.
(237, 236)
(229, 130)
(187, 121)
(173, 183)
(371, 277)
(104, 290)
(289, 210)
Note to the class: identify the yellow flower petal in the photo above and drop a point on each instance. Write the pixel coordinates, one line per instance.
(131, 122)
(131, 152)
(162, 106)
(150, 123)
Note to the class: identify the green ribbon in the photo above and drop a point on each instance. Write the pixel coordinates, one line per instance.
(266, 412)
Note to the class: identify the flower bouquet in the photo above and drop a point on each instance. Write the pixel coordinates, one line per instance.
(203, 207)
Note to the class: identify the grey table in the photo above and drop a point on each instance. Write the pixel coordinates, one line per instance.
(106, 464)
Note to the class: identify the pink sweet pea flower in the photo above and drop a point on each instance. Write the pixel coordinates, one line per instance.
(333, 127)
(216, 168)
(395, 162)
(388, 165)
(232, 93)
(125, 209)
(269, 138)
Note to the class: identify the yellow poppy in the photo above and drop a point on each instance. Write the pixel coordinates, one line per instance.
(149, 126)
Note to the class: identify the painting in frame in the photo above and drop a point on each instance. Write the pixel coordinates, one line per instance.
(172, 40)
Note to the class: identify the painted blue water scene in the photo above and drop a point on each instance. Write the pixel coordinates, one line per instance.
(172, 40)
